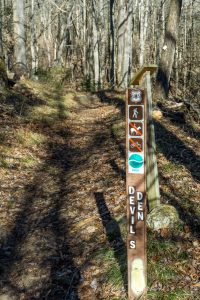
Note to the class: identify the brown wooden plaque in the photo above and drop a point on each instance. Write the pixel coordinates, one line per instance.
(136, 191)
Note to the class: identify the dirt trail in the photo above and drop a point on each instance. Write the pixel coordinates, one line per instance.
(66, 210)
(63, 203)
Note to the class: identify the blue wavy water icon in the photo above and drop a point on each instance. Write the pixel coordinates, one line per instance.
(136, 161)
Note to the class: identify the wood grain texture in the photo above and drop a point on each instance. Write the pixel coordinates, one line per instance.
(153, 191)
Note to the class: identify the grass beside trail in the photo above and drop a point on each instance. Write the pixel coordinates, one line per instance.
(30, 105)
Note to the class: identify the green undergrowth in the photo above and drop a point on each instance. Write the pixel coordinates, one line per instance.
(32, 105)
(171, 167)
(177, 294)
(18, 162)
(55, 74)
(118, 130)
(115, 298)
(54, 104)
(29, 161)
(114, 258)
(114, 274)
(29, 138)
(87, 84)
(163, 256)
(41, 101)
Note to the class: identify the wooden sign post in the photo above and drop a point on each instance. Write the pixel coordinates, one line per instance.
(136, 149)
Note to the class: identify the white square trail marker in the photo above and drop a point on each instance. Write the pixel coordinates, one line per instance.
(136, 129)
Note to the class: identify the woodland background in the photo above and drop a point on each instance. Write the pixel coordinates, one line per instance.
(64, 67)
(100, 44)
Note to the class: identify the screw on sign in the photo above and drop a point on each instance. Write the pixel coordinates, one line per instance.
(136, 192)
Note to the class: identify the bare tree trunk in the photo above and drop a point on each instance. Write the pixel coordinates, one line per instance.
(176, 68)
(163, 27)
(1, 24)
(154, 30)
(103, 41)
(127, 55)
(3, 76)
(44, 21)
(19, 37)
(64, 21)
(112, 44)
(185, 67)
(120, 40)
(85, 69)
(62, 40)
(160, 30)
(144, 10)
(124, 42)
(168, 51)
(141, 32)
(96, 49)
(34, 58)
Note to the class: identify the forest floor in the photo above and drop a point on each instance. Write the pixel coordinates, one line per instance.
(63, 202)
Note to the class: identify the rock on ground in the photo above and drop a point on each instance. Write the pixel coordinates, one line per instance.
(163, 216)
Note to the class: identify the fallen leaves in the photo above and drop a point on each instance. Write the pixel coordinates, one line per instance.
(54, 228)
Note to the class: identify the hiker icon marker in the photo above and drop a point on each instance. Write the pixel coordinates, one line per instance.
(136, 112)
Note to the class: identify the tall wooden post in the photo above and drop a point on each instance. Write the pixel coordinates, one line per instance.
(136, 149)
(153, 191)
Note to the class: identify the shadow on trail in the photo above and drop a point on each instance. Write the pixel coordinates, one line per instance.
(114, 236)
(188, 216)
(39, 235)
(176, 151)
(117, 169)
(117, 101)
(178, 118)
(58, 260)
(171, 146)
(65, 276)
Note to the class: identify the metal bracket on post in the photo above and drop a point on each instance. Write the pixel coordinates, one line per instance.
(136, 176)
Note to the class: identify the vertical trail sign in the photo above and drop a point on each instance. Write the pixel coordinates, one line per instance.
(136, 191)
(136, 177)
